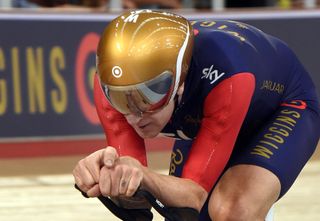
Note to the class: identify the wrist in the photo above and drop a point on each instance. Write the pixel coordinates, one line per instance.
(146, 181)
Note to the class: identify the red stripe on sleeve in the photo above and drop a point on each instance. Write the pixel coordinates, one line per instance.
(224, 111)
(119, 133)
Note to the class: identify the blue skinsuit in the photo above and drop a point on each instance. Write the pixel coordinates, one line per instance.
(281, 125)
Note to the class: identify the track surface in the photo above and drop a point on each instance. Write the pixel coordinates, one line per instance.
(42, 189)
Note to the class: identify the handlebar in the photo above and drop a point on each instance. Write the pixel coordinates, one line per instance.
(169, 213)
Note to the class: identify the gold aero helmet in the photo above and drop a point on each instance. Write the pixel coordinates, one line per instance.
(142, 58)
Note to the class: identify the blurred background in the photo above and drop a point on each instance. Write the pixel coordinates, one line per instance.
(110, 5)
(47, 116)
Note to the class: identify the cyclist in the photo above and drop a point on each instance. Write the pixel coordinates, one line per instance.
(242, 108)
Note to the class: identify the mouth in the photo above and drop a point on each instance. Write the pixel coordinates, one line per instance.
(142, 126)
(143, 123)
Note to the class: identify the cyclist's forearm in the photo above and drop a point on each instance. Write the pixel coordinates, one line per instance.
(173, 191)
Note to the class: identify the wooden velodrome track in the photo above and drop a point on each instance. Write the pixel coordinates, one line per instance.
(41, 189)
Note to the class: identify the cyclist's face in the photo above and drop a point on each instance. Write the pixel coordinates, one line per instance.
(150, 124)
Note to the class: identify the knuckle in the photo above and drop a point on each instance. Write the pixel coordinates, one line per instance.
(103, 174)
(113, 193)
(136, 172)
(75, 171)
(82, 163)
(79, 181)
(86, 161)
(82, 186)
(130, 191)
(125, 169)
(85, 186)
(110, 150)
(103, 169)
(104, 191)
(121, 190)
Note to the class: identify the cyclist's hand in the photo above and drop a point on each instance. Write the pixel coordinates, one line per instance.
(122, 179)
(87, 171)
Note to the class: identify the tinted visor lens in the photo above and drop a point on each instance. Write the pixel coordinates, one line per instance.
(144, 97)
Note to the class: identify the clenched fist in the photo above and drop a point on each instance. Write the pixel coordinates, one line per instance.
(105, 173)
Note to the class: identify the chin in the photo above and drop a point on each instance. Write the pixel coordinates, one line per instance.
(148, 134)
